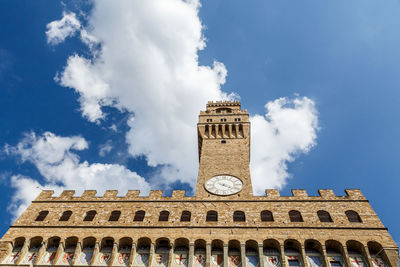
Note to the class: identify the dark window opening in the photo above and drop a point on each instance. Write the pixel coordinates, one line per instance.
(353, 216)
(223, 141)
(239, 216)
(114, 216)
(295, 216)
(212, 216)
(324, 216)
(139, 216)
(90, 216)
(294, 263)
(185, 217)
(65, 216)
(42, 215)
(164, 215)
(266, 216)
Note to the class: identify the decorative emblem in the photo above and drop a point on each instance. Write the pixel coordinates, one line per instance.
(105, 258)
(181, 259)
(217, 260)
(68, 256)
(162, 258)
(378, 262)
(86, 257)
(273, 261)
(49, 257)
(123, 258)
(199, 260)
(32, 257)
(252, 260)
(142, 259)
(357, 262)
(13, 258)
(234, 260)
(314, 261)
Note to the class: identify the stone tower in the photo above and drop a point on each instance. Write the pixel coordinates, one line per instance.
(223, 225)
(224, 151)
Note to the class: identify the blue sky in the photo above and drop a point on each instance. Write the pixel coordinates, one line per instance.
(343, 56)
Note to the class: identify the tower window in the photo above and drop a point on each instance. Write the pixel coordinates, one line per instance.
(139, 216)
(164, 215)
(239, 216)
(185, 217)
(237, 119)
(114, 217)
(223, 141)
(324, 216)
(212, 216)
(295, 216)
(353, 216)
(209, 120)
(65, 216)
(42, 215)
(90, 216)
(223, 120)
(266, 216)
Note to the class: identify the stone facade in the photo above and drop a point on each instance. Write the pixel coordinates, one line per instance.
(205, 230)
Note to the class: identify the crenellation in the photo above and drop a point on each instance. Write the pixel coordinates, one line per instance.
(299, 193)
(67, 195)
(326, 193)
(178, 194)
(89, 195)
(272, 193)
(132, 194)
(155, 194)
(354, 194)
(45, 195)
(110, 195)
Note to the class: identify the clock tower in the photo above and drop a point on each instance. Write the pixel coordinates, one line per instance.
(224, 151)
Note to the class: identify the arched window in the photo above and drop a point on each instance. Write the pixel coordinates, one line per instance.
(353, 216)
(114, 216)
(266, 216)
(212, 216)
(164, 215)
(90, 216)
(324, 216)
(139, 216)
(295, 216)
(185, 217)
(42, 215)
(239, 216)
(65, 216)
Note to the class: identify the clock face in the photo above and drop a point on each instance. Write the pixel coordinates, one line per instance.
(224, 185)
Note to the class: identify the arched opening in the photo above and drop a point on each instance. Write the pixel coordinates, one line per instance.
(334, 252)
(292, 253)
(207, 131)
(106, 248)
(164, 215)
(239, 216)
(241, 134)
(162, 251)
(213, 131)
(36, 243)
(34, 246)
(266, 216)
(226, 130)
(65, 216)
(271, 251)
(114, 216)
(314, 253)
(139, 216)
(124, 250)
(53, 243)
(234, 259)
(219, 133)
(13, 257)
(181, 252)
(295, 216)
(378, 255)
(252, 256)
(107, 244)
(186, 216)
(217, 253)
(199, 253)
(143, 252)
(89, 216)
(324, 216)
(356, 253)
(353, 216)
(69, 251)
(42, 215)
(212, 216)
(88, 245)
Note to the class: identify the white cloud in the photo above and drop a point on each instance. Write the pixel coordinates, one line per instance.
(105, 148)
(288, 129)
(147, 65)
(61, 168)
(58, 30)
